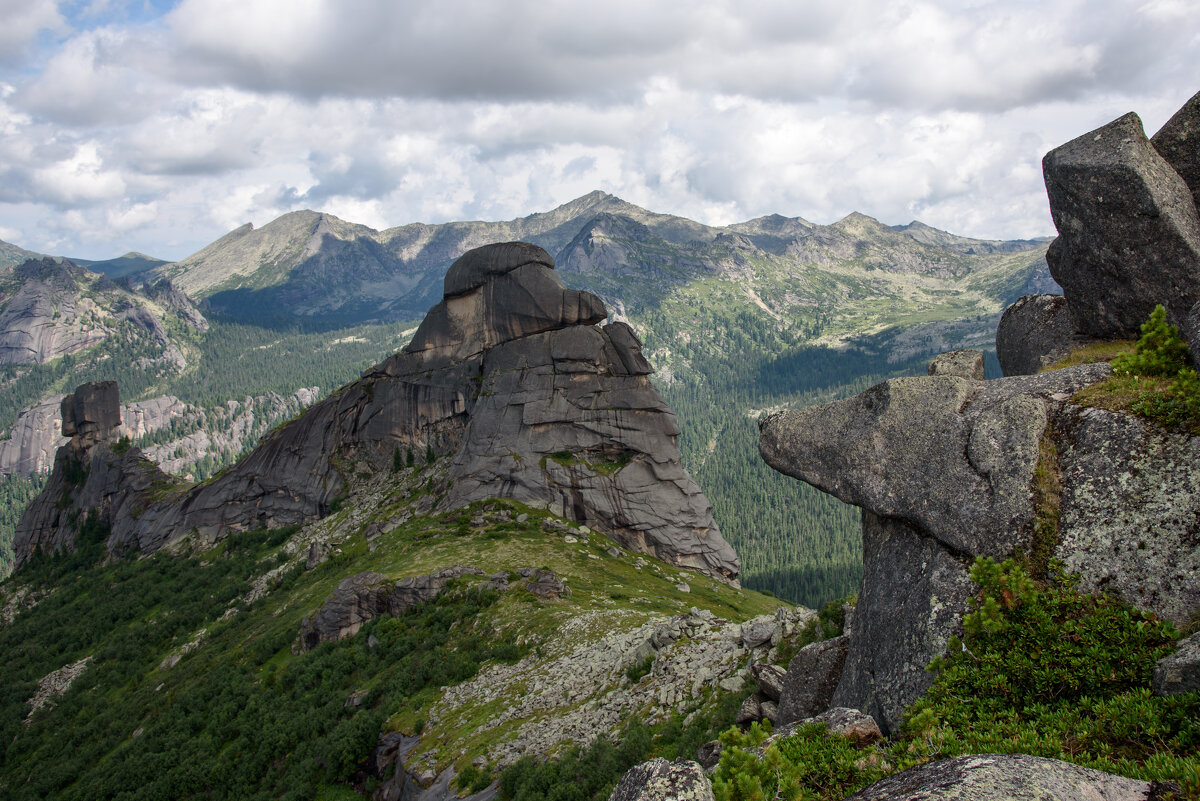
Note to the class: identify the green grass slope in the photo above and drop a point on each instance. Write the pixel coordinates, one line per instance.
(189, 683)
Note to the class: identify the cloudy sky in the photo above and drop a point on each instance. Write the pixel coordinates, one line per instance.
(158, 126)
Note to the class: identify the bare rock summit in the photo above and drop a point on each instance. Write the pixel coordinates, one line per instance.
(511, 378)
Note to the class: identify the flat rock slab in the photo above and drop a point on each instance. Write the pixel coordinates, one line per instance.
(950, 456)
(1006, 777)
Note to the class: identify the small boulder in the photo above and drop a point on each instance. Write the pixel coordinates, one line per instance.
(750, 711)
(709, 754)
(757, 633)
(1179, 143)
(961, 363)
(545, 584)
(857, 727)
(1179, 673)
(660, 780)
(1129, 231)
(1035, 332)
(811, 678)
(769, 679)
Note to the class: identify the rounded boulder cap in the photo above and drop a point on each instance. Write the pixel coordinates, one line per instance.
(476, 267)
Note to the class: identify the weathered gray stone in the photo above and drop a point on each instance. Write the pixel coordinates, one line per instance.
(950, 456)
(660, 780)
(544, 584)
(184, 307)
(1130, 510)
(365, 596)
(961, 363)
(43, 319)
(1179, 143)
(709, 754)
(478, 266)
(1129, 231)
(914, 593)
(1035, 332)
(750, 710)
(92, 413)
(859, 728)
(757, 633)
(1006, 777)
(811, 678)
(769, 679)
(1189, 329)
(1179, 672)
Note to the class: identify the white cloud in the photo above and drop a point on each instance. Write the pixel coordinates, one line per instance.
(161, 135)
(80, 178)
(21, 21)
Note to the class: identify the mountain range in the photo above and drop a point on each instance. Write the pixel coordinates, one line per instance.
(736, 319)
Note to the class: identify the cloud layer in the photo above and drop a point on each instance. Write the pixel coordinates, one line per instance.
(157, 129)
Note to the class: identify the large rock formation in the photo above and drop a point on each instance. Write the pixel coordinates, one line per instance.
(944, 468)
(1179, 143)
(1008, 777)
(511, 378)
(47, 316)
(1129, 231)
(91, 477)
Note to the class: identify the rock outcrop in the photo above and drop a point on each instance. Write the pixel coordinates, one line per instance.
(660, 780)
(1129, 230)
(164, 292)
(943, 468)
(92, 480)
(512, 379)
(47, 316)
(948, 468)
(1179, 672)
(1007, 777)
(365, 596)
(1179, 143)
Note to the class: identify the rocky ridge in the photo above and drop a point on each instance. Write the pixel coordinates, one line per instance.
(508, 375)
(216, 433)
(51, 308)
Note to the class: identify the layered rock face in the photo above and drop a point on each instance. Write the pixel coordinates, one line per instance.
(89, 477)
(46, 317)
(510, 377)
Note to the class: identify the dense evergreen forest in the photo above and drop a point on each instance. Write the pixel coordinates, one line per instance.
(794, 541)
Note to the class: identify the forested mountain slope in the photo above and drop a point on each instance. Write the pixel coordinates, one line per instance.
(736, 320)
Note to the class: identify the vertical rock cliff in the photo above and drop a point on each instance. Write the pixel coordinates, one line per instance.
(511, 378)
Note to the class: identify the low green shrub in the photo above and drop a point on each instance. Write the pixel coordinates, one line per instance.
(1041, 669)
(1155, 382)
